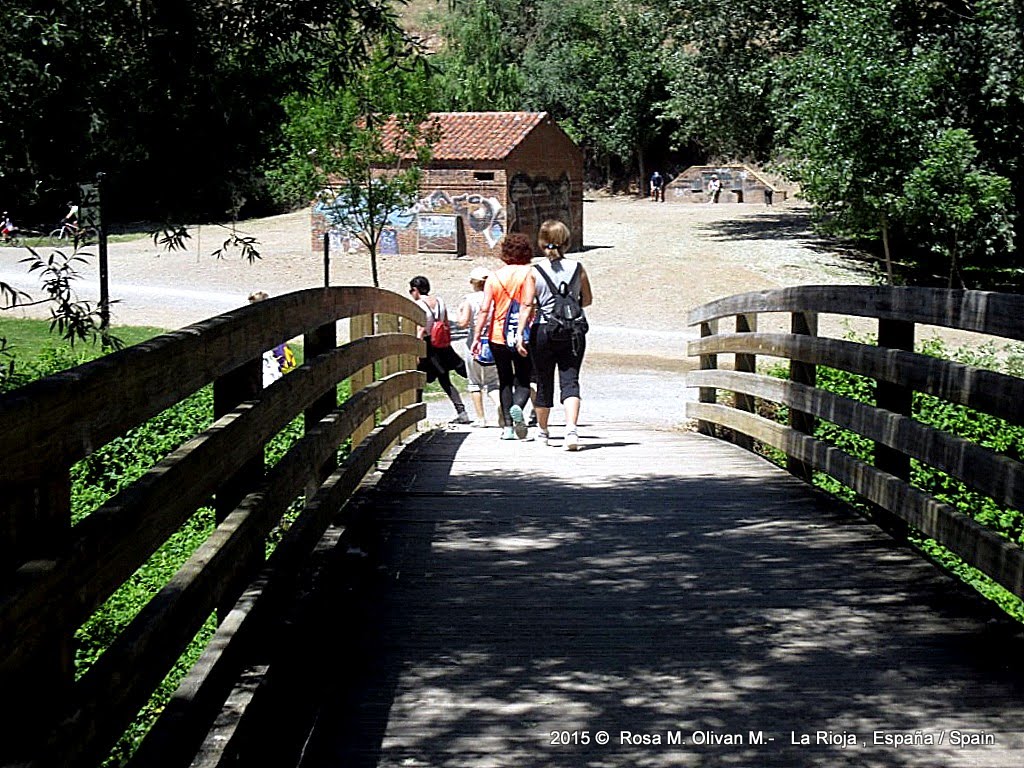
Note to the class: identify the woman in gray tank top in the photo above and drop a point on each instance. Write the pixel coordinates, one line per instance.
(546, 348)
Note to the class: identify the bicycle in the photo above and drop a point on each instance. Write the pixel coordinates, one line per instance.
(20, 237)
(68, 232)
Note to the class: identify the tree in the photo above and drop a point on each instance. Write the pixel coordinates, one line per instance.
(358, 149)
(141, 89)
(722, 69)
(595, 65)
(865, 95)
(179, 102)
(957, 206)
(989, 49)
(477, 69)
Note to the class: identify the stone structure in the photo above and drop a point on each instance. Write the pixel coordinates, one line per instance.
(491, 173)
(740, 184)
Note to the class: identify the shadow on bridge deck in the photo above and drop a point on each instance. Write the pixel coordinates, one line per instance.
(489, 599)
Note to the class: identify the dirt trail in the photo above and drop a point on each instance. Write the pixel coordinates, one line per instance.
(650, 263)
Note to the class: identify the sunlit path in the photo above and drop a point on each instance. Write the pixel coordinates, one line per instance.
(523, 602)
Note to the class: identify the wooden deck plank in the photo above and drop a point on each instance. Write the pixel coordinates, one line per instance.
(657, 583)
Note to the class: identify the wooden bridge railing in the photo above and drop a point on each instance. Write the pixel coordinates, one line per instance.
(898, 372)
(54, 576)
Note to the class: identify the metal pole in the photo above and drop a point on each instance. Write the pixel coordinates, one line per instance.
(327, 259)
(104, 272)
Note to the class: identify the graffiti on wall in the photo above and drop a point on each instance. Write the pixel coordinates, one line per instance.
(388, 245)
(438, 233)
(536, 199)
(483, 215)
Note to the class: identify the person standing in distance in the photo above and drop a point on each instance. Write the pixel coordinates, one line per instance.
(657, 187)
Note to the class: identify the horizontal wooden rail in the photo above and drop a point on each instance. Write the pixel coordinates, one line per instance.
(899, 373)
(62, 574)
(989, 391)
(175, 738)
(122, 390)
(995, 475)
(996, 314)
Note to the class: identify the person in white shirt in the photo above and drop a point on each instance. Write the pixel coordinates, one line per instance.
(480, 378)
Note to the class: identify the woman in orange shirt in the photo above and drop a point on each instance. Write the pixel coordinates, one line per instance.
(508, 288)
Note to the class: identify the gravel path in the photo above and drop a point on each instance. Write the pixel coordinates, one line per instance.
(649, 263)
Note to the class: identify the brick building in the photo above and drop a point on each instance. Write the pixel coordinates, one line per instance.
(491, 173)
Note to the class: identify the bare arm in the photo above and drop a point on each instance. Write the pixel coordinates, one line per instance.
(586, 294)
(527, 312)
(529, 300)
(464, 315)
(482, 316)
(431, 307)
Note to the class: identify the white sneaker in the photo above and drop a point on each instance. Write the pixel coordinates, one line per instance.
(544, 437)
(571, 441)
(461, 418)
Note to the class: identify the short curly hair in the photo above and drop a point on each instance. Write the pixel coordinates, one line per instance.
(516, 249)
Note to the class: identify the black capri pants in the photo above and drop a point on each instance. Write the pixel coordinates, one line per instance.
(548, 354)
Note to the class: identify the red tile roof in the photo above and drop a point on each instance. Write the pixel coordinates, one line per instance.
(482, 135)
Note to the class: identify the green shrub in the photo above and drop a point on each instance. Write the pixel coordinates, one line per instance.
(106, 472)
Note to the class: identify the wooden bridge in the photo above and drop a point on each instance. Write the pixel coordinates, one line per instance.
(662, 598)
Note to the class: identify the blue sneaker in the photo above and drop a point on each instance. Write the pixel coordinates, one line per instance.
(518, 422)
(507, 433)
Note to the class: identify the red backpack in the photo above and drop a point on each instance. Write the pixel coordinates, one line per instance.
(440, 333)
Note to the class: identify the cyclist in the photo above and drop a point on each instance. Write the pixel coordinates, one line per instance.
(71, 217)
(7, 228)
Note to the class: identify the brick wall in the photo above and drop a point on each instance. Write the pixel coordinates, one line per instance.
(481, 204)
(552, 165)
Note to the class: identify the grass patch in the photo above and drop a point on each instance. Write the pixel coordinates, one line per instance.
(28, 339)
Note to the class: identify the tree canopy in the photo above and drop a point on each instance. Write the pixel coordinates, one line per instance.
(358, 150)
(872, 106)
(178, 101)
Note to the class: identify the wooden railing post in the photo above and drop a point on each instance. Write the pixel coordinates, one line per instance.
(230, 390)
(389, 365)
(804, 324)
(748, 364)
(408, 363)
(893, 334)
(707, 362)
(317, 342)
(36, 529)
(360, 326)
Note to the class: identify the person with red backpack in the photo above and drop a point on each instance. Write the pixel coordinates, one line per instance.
(441, 359)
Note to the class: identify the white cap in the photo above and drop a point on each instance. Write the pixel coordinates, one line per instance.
(479, 274)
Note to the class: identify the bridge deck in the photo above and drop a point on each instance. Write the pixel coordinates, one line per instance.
(659, 583)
